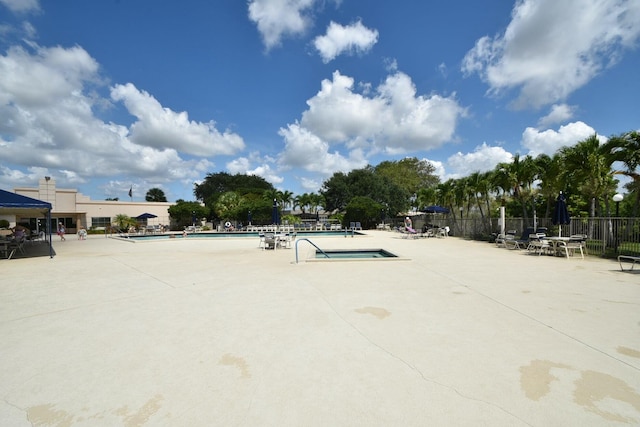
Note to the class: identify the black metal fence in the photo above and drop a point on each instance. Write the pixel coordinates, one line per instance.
(605, 236)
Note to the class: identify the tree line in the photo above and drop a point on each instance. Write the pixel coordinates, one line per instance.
(586, 173)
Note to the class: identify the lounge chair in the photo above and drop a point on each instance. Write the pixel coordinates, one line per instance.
(410, 232)
(510, 242)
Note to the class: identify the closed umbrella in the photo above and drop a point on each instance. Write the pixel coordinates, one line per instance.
(275, 218)
(560, 213)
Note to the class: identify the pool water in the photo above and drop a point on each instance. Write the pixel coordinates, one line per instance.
(355, 254)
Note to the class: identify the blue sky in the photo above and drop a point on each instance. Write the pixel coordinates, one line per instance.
(109, 94)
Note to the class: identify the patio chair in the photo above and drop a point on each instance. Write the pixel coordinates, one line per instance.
(538, 244)
(574, 245)
(38, 237)
(271, 241)
(579, 239)
(16, 245)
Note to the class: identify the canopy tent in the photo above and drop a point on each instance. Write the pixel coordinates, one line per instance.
(16, 204)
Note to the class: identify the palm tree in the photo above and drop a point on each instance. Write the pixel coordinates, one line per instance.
(287, 198)
(270, 195)
(315, 201)
(519, 176)
(303, 201)
(124, 221)
(427, 196)
(588, 164)
(626, 149)
(479, 188)
(155, 195)
(551, 184)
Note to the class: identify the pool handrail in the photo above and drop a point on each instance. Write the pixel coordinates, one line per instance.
(314, 245)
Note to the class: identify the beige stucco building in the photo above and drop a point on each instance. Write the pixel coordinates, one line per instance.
(76, 210)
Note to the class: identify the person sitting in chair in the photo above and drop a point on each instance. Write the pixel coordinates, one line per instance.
(409, 225)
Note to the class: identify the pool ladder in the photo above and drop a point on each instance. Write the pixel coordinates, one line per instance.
(314, 245)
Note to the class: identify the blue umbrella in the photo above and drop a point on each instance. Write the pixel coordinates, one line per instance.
(146, 215)
(435, 209)
(560, 213)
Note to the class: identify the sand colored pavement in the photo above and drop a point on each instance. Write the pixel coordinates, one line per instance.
(217, 332)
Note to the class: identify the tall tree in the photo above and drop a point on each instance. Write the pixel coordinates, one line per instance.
(409, 173)
(182, 212)
(519, 175)
(216, 184)
(287, 198)
(155, 195)
(549, 174)
(588, 164)
(340, 189)
(625, 149)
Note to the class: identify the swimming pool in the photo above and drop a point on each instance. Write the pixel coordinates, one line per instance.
(329, 255)
(223, 235)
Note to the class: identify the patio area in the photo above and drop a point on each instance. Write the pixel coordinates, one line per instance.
(206, 332)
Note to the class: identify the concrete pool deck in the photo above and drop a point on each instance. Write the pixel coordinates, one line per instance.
(193, 332)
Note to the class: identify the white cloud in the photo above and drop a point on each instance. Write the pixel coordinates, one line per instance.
(342, 129)
(552, 48)
(559, 113)
(48, 126)
(243, 165)
(44, 76)
(339, 39)
(395, 119)
(276, 19)
(163, 128)
(483, 158)
(549, 141)
(439, 169)
(21, 6)
(306, 150)
(310, 184)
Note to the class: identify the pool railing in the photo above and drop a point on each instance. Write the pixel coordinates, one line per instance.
(313, 244)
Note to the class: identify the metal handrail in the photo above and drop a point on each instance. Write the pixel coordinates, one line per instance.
(316, 246)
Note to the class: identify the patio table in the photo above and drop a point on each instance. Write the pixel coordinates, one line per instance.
(557, 244)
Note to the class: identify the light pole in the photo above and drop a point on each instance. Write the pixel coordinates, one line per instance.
(617, 198)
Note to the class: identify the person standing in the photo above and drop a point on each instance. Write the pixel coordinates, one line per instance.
(61, 231)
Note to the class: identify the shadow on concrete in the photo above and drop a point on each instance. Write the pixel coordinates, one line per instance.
(34, 250)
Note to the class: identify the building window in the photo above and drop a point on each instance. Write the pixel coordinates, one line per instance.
(100, 221)
(67, 222)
